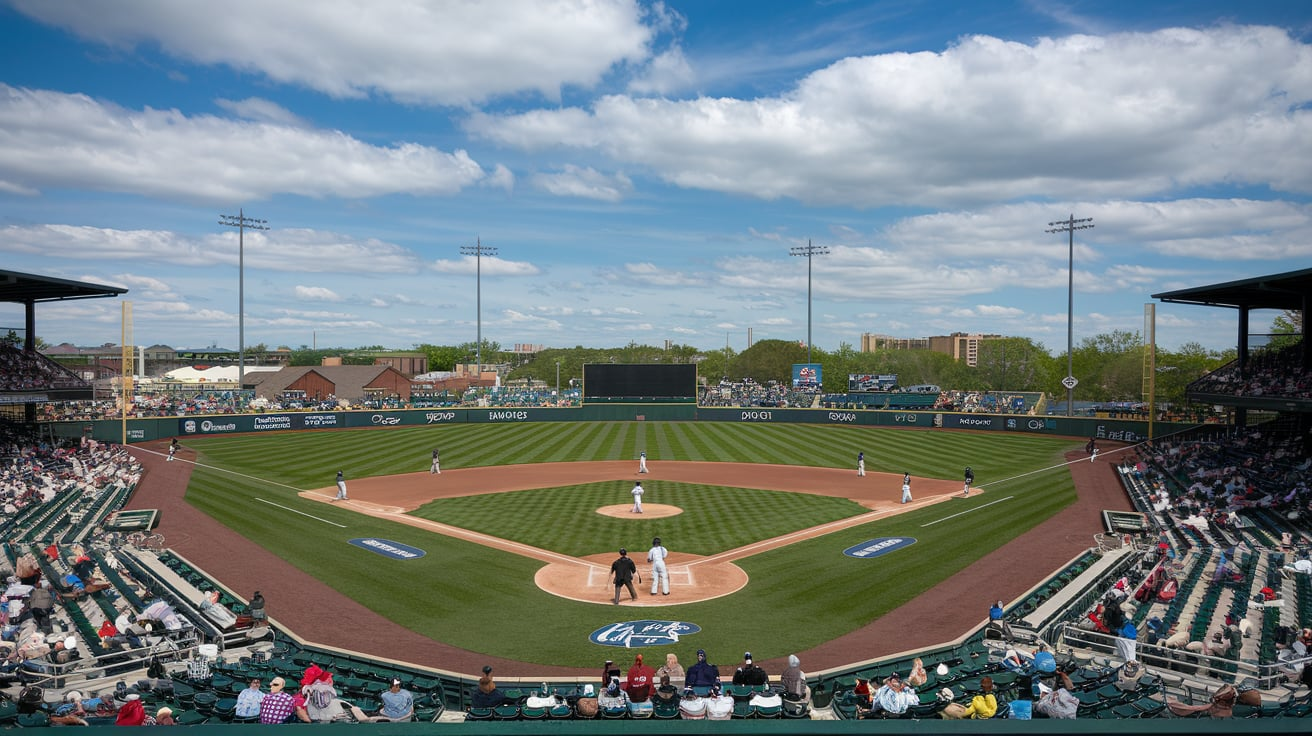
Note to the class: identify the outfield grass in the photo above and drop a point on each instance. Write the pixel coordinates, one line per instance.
(484, 600)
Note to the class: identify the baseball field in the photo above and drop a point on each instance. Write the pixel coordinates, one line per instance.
(793, 484)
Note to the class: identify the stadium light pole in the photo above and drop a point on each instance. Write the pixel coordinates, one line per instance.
(242, 223)
(1070, 225)
(478, 251)
(809, 251)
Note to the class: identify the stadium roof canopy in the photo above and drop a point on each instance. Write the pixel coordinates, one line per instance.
(1287, 290)
(25, 288)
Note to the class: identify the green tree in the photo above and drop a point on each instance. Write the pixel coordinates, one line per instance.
(1177, 369)
(1286, 329)
(1015, 364)
(1109, 367)
(768, 360)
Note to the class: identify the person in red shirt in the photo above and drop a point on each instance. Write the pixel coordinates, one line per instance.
(640, 680)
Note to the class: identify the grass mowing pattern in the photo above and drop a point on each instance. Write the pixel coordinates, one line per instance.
(484, 600)
(715, 518)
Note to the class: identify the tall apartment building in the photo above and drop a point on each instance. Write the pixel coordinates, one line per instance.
(960, 345)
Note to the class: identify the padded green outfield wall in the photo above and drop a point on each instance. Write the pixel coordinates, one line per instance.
(145, 430)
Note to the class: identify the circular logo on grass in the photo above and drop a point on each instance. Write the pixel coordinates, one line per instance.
(388, 548)
(877, 547)
(629, 634)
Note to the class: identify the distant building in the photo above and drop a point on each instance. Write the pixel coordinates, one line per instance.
(961, 346)
(353, 383)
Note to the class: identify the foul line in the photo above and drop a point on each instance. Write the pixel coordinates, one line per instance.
(302, 513)
(967, 511)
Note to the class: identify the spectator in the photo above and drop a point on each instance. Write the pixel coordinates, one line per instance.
(692, 708)
(488, 695)
(985, 704)
(671, 669)
(639, 681)
(749, 673)
(719, 707)
(398, 703)
(1058, 702)
(278, 706)
(613, 698)
(894, 696)
(702, 674)
(249, 700)
(794, 680)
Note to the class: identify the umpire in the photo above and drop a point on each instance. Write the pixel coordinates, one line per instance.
(623, 571)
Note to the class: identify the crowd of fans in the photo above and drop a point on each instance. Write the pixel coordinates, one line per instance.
(24, 371)
(33, 471)
(990, 402)
(747, 392)
(1274, 373)
(1218, 477)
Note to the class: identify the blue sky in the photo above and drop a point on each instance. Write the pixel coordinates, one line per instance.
(643, 169)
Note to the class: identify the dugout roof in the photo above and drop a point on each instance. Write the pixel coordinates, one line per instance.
(25, 288)
(1287, 290)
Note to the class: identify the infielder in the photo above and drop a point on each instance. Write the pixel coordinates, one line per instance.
(906, 487)
(861, 464)
(970, 478)
(637, 497)
(437, 466)
(642, 461)
(173, 449)
(656, 556)
(341, 487)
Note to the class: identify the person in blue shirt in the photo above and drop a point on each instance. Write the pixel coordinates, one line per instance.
(1044, 662)
(702, 674)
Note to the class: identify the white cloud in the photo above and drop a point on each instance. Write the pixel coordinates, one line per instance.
(51, 139)
(586, 182)
(491, 266)
(316, 294)
(450, 53)
(288, 250)
(258, 108)
(666, 73)
(982, 121)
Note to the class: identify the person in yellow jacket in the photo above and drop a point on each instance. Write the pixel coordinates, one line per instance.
(985, 704)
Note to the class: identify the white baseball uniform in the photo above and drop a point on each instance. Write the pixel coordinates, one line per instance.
(656, 556)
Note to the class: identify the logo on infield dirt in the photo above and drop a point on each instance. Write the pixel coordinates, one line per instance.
(629, 634)
(388, 548)
(877, 547)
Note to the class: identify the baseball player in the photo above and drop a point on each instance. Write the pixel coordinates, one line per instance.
(970, 478)
(341, 487)
(437, 466)
(861, 464)
(906, 487)
(642, 461)
(1092, 449)
(637, 497)
(656, 556)
(173, 449)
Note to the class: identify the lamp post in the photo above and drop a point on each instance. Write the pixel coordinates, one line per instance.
(558, 380)
(809, 251)
(1070, 225)
(242, 223)
(478, 251)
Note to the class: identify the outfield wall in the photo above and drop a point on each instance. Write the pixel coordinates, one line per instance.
(145, 430)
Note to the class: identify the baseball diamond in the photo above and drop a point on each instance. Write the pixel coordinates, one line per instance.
(893, 611)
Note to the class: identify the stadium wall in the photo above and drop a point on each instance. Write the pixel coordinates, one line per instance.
(146, 430)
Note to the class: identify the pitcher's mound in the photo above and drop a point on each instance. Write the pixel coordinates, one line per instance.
(649, 511)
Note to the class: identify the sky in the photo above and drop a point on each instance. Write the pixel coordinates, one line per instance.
(645, 171)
